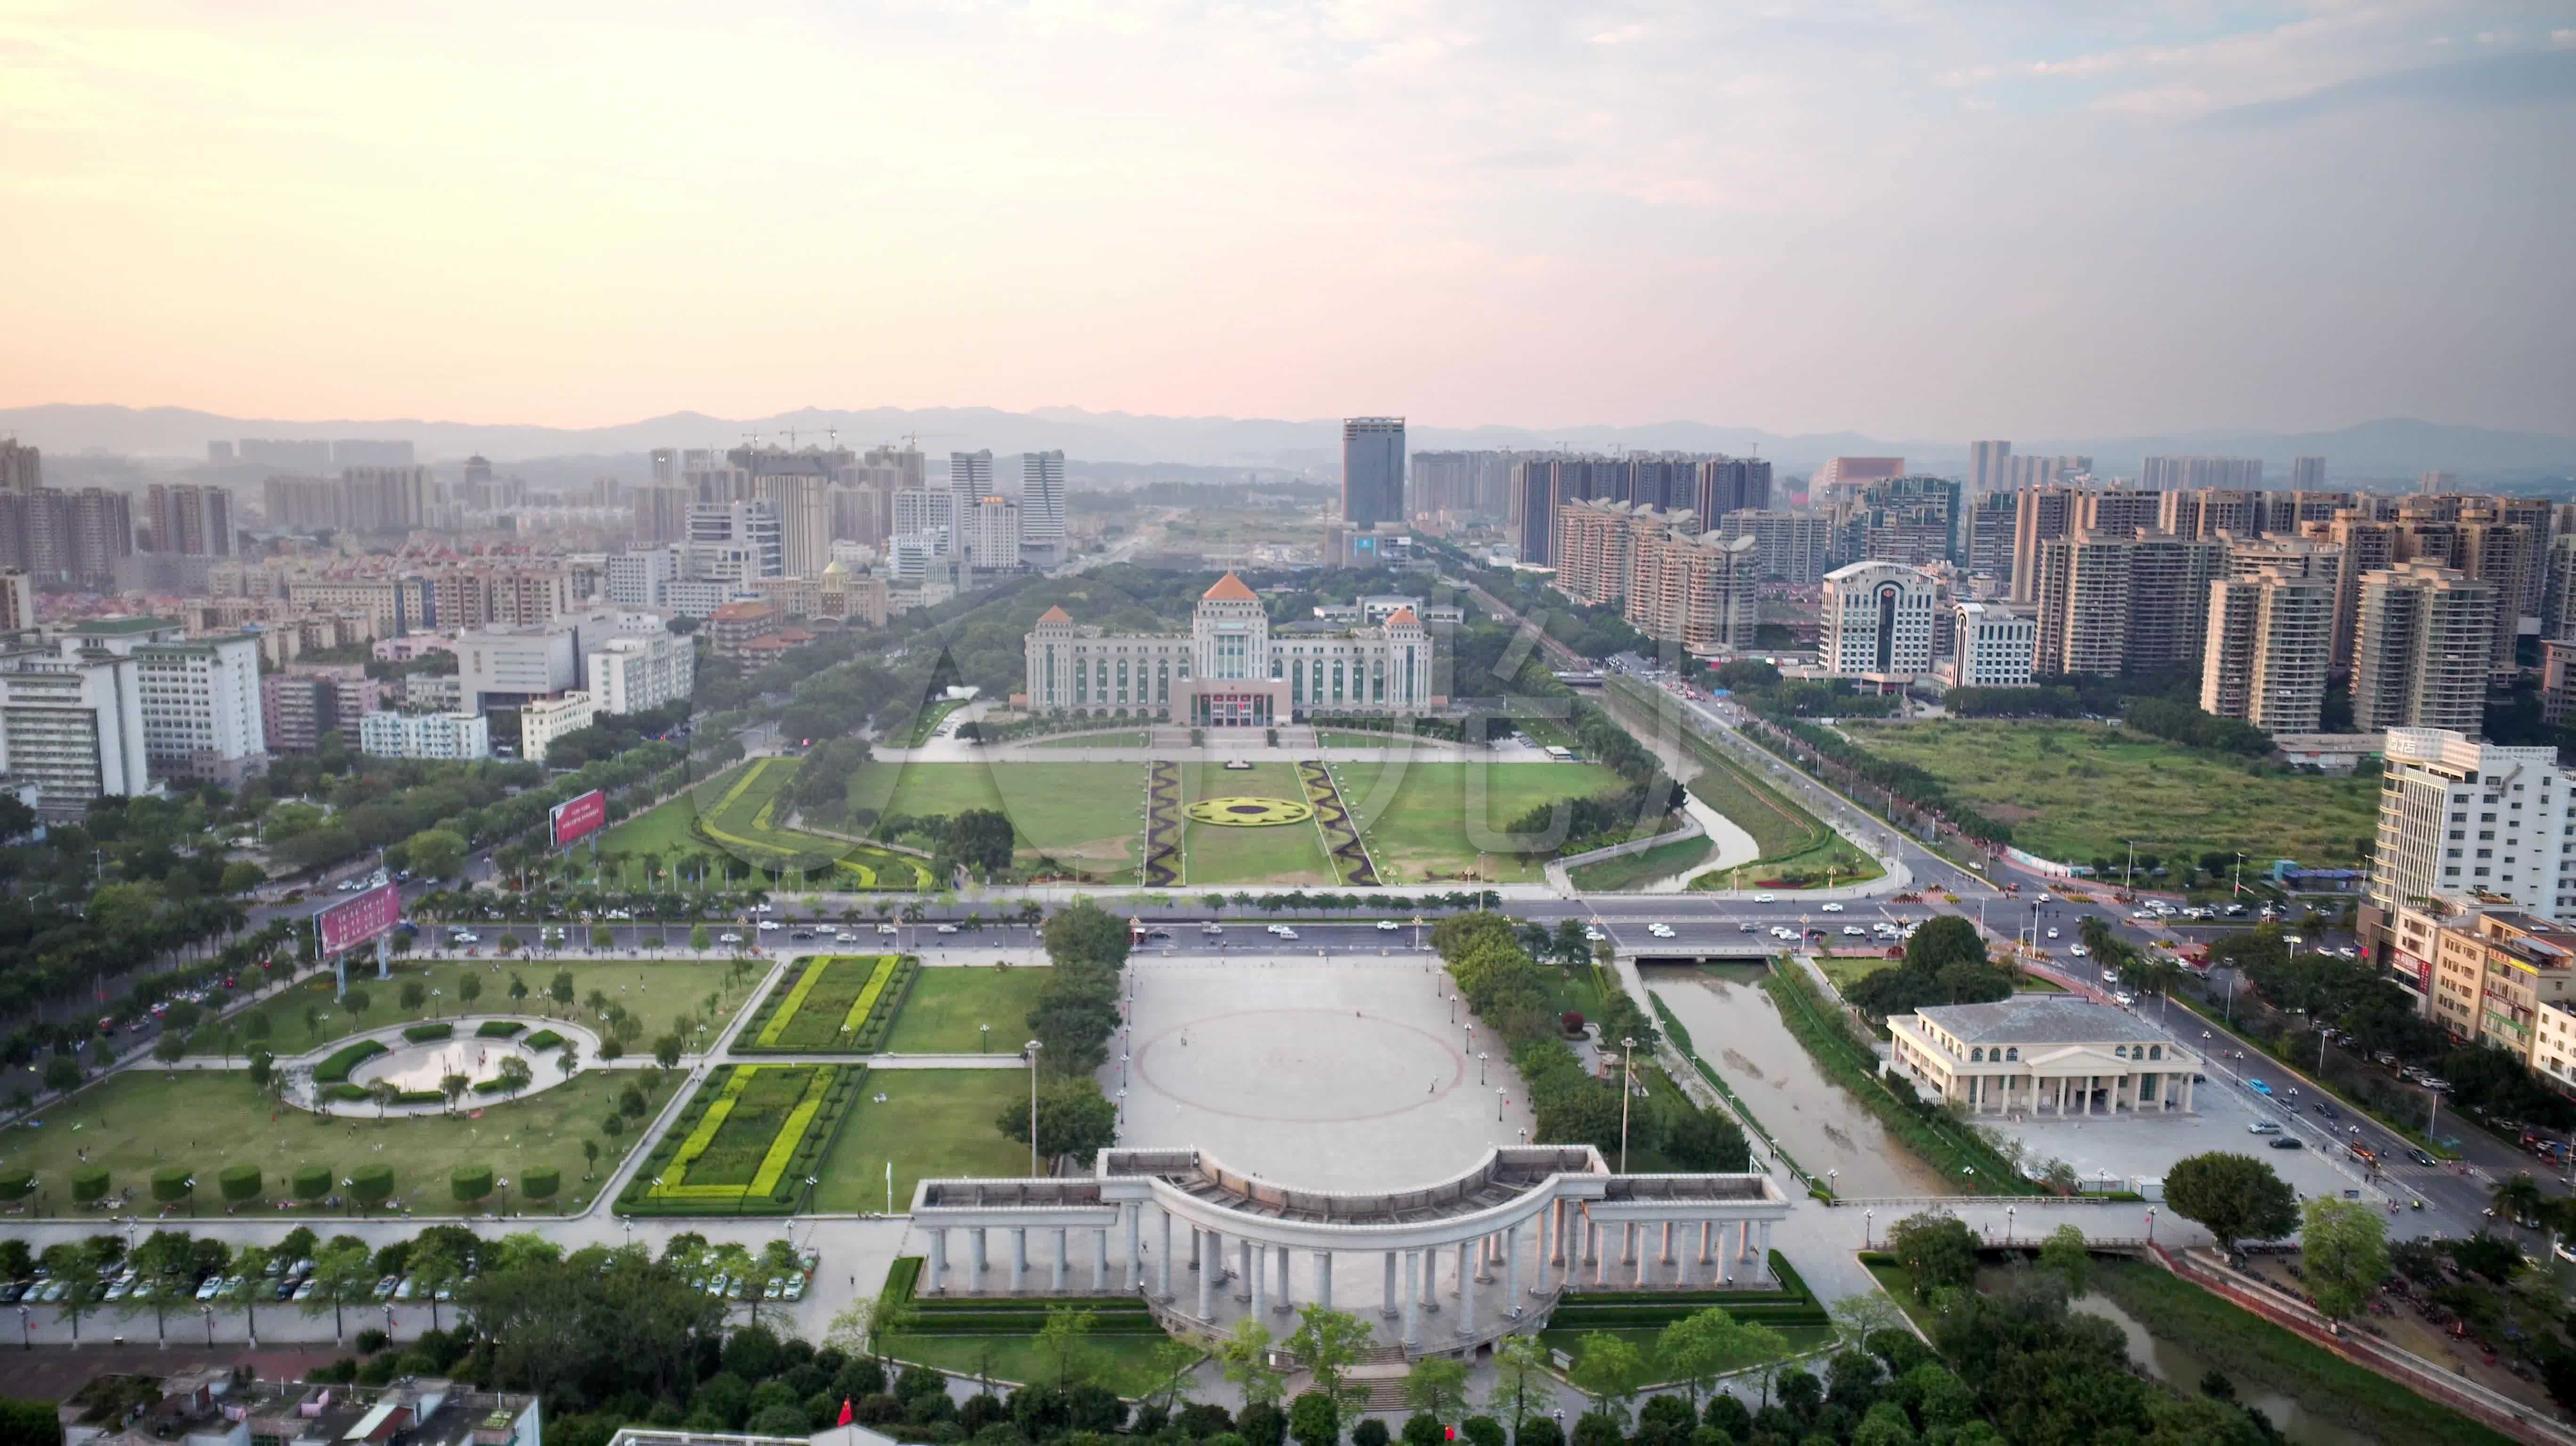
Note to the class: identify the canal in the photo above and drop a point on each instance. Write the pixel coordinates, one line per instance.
(1736, 1028)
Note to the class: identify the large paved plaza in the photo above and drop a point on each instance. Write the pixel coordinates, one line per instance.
(1340, 1074)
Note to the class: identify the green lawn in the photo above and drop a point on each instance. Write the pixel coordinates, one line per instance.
(1800, 1338)
(659, 990)
(1129, 739)
(935, 1123)
(1427, 822)
(739, 809)
(941, 1014)
(1127, 1360)
(1629, 870)
(1847, 970)
(1086, 815)
(2080, 791)
(140, 1121)
(1285, 855)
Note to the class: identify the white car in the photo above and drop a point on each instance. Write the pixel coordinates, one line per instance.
(1660, 931)
(766, 925)
(2124, 1000)
(888, 929)
(2077, 951)
(1766, 898)
(1388, 926)
(1855, 931)
(1591, 934)
(947, 928)
(2052, 933)
(1287, 933)
(844, 936)
(728, 937)
(465, 936)
(1833, 908)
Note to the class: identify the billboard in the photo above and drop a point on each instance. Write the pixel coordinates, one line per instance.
(579, 817)
(359, 919)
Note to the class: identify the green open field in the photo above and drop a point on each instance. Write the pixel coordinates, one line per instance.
(2079, 791)
(142, 1120)
(940, 1015)
(738, 813)
(935, 1123)
(657, 990)
(1087, 816)
(1427, 822)
(1286, 855)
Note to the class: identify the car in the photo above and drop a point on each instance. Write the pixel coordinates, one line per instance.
(2259, 1087)
(800, 933)
(1274, 928)
(210, 1287)
(888, 929)
(2137, 915)
(776, 1289)
(844, 936)
(1211, 929)
(1592, 935)
(465, 936)
(386, 1287)
(2110, 976)
(2284, 1142)
(1745, 927)
(2329, 1111)
(764, 908)
(765, 925)
(728, 937)
(2052, 933)
(2076, 950)
(404, 1290)
(2421, 1157)
(2124, 1000)
(947, 928)
(232, 1288)
(1833, 908)
(809, 1260)
(119, 1289)
(285, 1289)
(1388, 926)
(795, 1288)
(1766, 898)
(1287, 933)
(2264, 1127)
(304, 1290)
(1660, 931)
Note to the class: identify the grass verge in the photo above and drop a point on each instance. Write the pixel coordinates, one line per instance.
(1630, 870)
(946, 1006)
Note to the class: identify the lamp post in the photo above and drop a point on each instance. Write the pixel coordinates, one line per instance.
(1480, 1066)
(1502, 1097)
(984, 1041)
(2009, 1211)
(1627, 1087)
(1868, 1229)
(209, 1313)
(2151, 1225)
(1034, 1046)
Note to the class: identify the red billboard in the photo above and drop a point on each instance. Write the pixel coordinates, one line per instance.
(577, 818)
(359, 919)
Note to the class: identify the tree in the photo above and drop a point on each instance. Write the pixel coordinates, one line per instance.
(1938, 1250)
(435, 853)
(1437, 1387)
(1330, 1342)
(1244, 1355)
(1074, 1118)
(2065, 1255)
(1064, 1347)
(452, 1087)
(343, 1273)
(2343, 1248)
(1610, 1371)
(698, 937)
(514, 1074)
(981, 839)
(1706, 1139)
(1315, 1419)
(2518, 1198)
(413, 994)
(560, 989)
(2233, 1197)
(1944, 940)
(1706, 1344)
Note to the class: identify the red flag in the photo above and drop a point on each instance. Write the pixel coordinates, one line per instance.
(845, 1410)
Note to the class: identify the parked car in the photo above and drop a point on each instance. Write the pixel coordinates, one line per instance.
(2264, 1127)
(1287, 933)
(728, 937)
(1766, 898)
(766, 925)
(2284, 1142)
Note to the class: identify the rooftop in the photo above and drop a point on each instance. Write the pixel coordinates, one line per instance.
(1229, 588)
(145, 1410)
(2040, 1019)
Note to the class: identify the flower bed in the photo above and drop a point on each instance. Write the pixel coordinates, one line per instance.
(837, 1004)
(746, 1141)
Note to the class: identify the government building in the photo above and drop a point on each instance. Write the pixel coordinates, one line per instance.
(1228, 671)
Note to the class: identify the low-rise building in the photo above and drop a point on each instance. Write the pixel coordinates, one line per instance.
(2043, 1054)
(543, 720)
(737, 623)
(456, 737)
(209, 1407)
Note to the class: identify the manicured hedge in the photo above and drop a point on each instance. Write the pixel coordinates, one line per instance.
(371, 1185)
(311, 1182)
(347, 1094)
(336, 1068)
(420, 1097)
(173, 1183)
(238, 1183)
(89, 1183)
(838, 1093)
(542, 1039)
(16, 1184)
(830, 988)
(490, 1086)
(423, 1033)
(1791, 1304)
(497, 1028)
(541, 1183)
(470, 1183)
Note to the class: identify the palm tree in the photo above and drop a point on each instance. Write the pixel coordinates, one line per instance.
(2095, 933)
(2518, 1198)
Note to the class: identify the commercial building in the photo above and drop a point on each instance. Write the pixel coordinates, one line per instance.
(731, 541)
(2042, 1054)
(1991, 646)
(1349, 545)
(17, 601)
(735, 624)
(632, 672)
(2423, 649)
(920, 512)
(636, 579)
(2111, 603)
(1372, 469)
(1787, 546)
(1877, 622)
(73, 726)
(1849, 474)
(2270, 639)
(543, 720)
(455, 737)
(297, 707)
(2462, 818)
(199, 696)
(508, 667)
(993, 535)
(1229, 670)
(1042, 536)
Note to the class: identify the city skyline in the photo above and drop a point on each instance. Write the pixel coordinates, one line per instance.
(1956, 222)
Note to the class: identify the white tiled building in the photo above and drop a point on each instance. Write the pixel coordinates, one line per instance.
(2043, 1054)
(1991, 647)
(451, 736)
(1877, 622)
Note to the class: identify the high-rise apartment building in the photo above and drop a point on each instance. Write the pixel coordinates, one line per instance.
(1459, 486)
(1912, 521)
(2270, 638)
(1989, 467)
(1991, 646)
(2123, 603)
(284, 452)
(1372, 469)
(2558, 588)
(661, 514)
(970, 481)
(921, 512)
(1042, 537)
(22, 468)
(2025, 472)
(2422, 651)
(2307, 474)
(1788, 546)
(2203, 512)
(2040, 515)
(2458, 816)
(17, 601)
(2183, 474)
(1840, 475)
(198, 697)
(1877, 622)
(1596, 546)
(1695, 589)
(74, 726)
(631, 672)
(793, 481)
(993, 534)
(2119, 509)
(731, 541)
(1730, 484)
(190, 520)
(1992, 520)
(2368, 545)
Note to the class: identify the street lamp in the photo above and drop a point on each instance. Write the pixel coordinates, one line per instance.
(1480, 1066)
(2008, 1224)
(2151, 1225)
(985, 1044)
(1868, 1230)
(209, 1313)
(1033, 1046)
(1627, 1091)
(1502, 1097)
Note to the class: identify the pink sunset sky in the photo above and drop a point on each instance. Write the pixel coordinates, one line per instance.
(1919, 218)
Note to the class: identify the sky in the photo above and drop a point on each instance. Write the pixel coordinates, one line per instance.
(1908, 218)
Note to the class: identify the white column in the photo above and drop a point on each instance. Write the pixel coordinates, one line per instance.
(982, 1260)
(1196, 1236)
(1210, 1250)
(1556, 1233)
(1598, 1252)
(1057, 1284)
(1257, 1269)
(1644, 1252)
(1512, 1268)
(1100, 1261)
(1725, 1257)
(1762, 1261)
(1627, 1242)
(1245, 1278)
(1129, 1212)
(1466, 1295)
(1324, 1279)
(1388, 1310)
(1707, 1232)
(1412, 1296)
(1282, 1305)
(1682, 1268)
(938, 1259)
(1019, 1258)
(1166, 1291)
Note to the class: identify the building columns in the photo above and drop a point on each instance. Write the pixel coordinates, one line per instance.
(1100, 1261)
(1166, 1291)
(1131, 1211)
(1256, 1270)
(1019, 1259)
(1244, 1277)
(1412, 1297)
(1324, 1279)
(1512, 1269)
(1388, 1310)
(1466, 1294)
(1281, 1306)
(1209, 1250)
(938, 1260)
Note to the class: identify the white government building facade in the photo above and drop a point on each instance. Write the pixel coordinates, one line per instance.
(2039, 1054)
(1228, 671)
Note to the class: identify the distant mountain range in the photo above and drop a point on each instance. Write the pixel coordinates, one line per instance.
(2391, 448)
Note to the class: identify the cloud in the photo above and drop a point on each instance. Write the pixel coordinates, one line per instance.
(2562, 37)
(1966, 76)
(2081, 65)
(2523, 78)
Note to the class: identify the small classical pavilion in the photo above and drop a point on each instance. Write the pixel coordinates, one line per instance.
(2044, 1054)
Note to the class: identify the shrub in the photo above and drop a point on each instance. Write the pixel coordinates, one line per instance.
(423, 1033)
(335, 1069)
(17, 1183)
(542, 1039)
(239, 1183)
(497, 1028)
(541, 1183)
(371, 1185)
(310, 1182)
(470, 1183)
(89, 1183)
